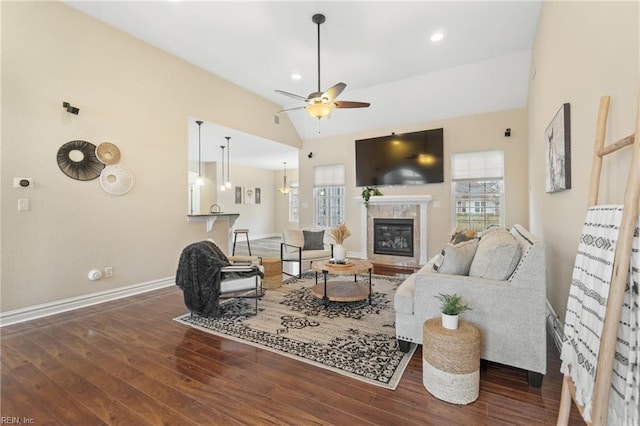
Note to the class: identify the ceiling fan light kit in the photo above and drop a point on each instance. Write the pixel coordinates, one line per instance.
(320, 104)
(319, 110)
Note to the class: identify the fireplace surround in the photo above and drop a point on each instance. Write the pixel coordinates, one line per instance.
(395, 207)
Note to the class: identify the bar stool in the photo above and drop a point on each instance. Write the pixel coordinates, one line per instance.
(235, 237)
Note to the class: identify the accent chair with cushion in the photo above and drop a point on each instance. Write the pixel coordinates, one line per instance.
(300, 246)
(502, 277)
(205, 275)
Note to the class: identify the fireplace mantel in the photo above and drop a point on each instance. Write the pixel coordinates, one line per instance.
(397, 199)
(421, 200)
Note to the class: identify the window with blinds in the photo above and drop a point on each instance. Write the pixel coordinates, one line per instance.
(477, 185)
(294, 213)
(328, 196)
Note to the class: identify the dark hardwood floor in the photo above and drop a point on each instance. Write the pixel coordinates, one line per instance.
(127, 362)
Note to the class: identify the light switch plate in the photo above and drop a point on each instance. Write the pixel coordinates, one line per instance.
(23, 204)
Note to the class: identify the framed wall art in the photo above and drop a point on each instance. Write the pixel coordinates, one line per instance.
(249, 195)
(258, 195)
(558, 151)
(238, 195)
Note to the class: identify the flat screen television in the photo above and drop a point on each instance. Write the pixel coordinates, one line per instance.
(408, 159)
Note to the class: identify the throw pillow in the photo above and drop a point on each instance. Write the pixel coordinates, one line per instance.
(459, 236)
(313, 240)
(497, 256)
(491, 228)
(455, 259)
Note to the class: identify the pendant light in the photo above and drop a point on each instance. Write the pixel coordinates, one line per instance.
(199, 179)
(285, 189)
(228, 182)
(222, 186)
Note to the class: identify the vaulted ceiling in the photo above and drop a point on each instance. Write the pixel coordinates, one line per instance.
(381, 50)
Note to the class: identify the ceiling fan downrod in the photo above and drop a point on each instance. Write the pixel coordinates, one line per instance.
(318, 19)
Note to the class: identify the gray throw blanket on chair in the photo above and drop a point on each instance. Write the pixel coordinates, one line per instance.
(199, 276)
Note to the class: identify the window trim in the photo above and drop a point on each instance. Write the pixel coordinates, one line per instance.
(494, 173)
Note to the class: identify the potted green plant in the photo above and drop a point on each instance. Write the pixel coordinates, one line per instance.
(367, 192)
(452, 306)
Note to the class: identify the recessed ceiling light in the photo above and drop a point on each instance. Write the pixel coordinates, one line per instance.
(437, 36)
(296, 76)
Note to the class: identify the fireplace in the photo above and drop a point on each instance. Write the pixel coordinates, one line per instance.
(393, 236)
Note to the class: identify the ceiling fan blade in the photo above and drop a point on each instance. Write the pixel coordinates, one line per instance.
(291, 109)
(334, 92)
(292, 95)
(351, 104)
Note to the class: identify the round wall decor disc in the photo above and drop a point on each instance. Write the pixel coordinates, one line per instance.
(116, 179)
(77, 159)
(108, 153)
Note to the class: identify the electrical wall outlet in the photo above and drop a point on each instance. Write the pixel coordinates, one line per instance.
(108, 271)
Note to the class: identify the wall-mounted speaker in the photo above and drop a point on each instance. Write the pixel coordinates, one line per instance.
(70, 108)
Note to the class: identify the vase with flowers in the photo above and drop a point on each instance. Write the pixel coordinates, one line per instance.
(339, 234)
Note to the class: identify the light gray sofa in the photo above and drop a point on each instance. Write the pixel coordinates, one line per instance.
(510, 313)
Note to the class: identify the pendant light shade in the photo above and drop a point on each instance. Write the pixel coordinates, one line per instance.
(199, 179)
(222, 186)
(228, 182)
(285, 189)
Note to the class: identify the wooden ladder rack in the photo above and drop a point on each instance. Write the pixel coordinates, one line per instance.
(615, 300)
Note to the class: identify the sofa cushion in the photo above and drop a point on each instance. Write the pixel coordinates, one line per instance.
(455, 259)
(497, 256)
(403, 298)
(313, 240)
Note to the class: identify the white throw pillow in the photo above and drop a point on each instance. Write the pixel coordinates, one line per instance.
(456, 259)
(497, 256)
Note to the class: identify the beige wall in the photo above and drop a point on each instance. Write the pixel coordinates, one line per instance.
(583, 50)
(260, 219)
(463, 134)
(131, 94)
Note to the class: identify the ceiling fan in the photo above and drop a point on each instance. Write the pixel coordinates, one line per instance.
(320, 104)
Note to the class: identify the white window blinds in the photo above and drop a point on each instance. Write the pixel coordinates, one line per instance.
(328, 175)
(477, 165)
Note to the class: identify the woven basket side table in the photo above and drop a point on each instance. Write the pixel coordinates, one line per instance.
(451, 361)
(272, 272)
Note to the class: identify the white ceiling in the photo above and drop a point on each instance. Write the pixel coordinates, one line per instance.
(381, 50)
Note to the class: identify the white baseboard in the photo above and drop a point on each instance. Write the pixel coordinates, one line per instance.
(555, 326)
(38, 311)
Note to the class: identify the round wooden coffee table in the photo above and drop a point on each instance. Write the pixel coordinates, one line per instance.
(342, 291)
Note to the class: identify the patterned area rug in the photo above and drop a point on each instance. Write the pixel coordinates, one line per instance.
(354, 339)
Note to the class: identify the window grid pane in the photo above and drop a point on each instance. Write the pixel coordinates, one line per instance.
(329, 206)
(478, 203)
(293, 205)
